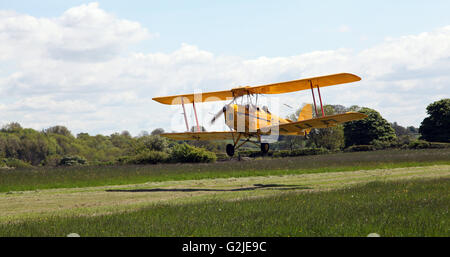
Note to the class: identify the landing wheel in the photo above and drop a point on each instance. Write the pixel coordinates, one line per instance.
(264, 148)
(230, 150)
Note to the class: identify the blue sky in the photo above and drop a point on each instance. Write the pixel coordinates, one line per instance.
(94, 66)
(264, 28)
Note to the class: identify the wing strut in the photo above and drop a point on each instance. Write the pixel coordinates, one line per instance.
(314, 99)
(196, 119)
(320, 98)
(184, 112)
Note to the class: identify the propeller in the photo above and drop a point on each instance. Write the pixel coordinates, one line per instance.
(218, 114)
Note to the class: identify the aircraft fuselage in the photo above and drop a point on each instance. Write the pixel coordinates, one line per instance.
(250, 118)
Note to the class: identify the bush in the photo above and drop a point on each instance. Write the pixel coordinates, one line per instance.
(188, 153)
(14, 163)
(148, 157)
(404, 140)
(222, 156)
(301, 152)
(360, 148)
(72, 160)
(123, 160)
(51, 160)
(380, 145)
(421, 144)
(439, 145)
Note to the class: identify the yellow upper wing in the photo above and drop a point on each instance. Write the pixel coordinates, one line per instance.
(201, 135)
(323, 122)
(277, 88)
(304, 84)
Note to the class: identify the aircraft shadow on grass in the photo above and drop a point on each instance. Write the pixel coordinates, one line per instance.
(254, 187)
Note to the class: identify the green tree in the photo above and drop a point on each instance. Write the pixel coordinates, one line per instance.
(59, 130)
(152, 143)
(399, 130)
(125, 133)
(412, 130)
(436, 127)
(12, 127)
(329, 138)
(366, 131)
(12, 146)
(157, 131)
(121, 141)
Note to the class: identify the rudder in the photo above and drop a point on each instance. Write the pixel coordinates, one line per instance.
(305, 113)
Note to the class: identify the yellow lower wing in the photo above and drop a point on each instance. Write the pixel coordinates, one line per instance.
(323, 122)
(201, 135)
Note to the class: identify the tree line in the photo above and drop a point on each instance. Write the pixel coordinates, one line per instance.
(22, 147)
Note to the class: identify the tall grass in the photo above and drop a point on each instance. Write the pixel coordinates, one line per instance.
(407, 208)
(68, 177)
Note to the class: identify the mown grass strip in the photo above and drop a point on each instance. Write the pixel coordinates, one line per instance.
(400, 208)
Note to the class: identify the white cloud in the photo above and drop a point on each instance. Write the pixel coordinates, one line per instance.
(75, 70)
(83, 33)
(344, 28)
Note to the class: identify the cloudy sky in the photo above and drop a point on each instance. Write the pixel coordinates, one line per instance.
(94, 66)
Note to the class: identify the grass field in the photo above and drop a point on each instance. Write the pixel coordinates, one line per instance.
(45, 178)
(406, 208)
(393, 193)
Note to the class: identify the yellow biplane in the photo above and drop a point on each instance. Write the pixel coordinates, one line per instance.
(251, 123)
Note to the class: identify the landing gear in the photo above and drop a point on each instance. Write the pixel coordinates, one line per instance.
(230, 150)
(264, 148)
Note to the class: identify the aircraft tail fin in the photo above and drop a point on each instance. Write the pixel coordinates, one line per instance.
(305, 114)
